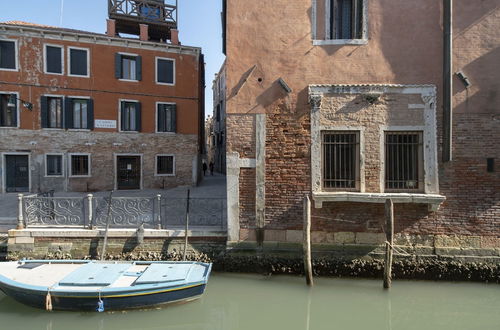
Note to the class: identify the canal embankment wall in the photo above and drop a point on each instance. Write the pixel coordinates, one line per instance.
(432, 258)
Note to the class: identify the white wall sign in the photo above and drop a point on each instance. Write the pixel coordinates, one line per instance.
(100, 123)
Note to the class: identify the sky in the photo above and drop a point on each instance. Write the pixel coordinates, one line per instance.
(199, 24)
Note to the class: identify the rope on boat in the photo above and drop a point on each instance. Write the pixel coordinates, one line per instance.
(48, 301)
(100, 304)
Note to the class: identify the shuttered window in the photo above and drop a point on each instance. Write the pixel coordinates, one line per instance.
(78, 62)
(8, 114)
(167, 117)
(165, 71)
(128, 67)
(130, 113)
(52, 112)
(7, 55)
(164, 165)
(54, 165)
(53, 59)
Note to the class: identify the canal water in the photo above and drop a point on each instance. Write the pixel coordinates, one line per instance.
(241, 302)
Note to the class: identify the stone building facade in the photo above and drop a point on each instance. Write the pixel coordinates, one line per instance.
(106, 112)
(344, 101)
(219, 120)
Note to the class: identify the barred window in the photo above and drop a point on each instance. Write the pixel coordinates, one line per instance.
(80, 165)
(340, 160)
(164, 165)
(403, 161)
(54, 165)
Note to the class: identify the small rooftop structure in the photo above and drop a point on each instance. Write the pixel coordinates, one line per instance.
(159, 15)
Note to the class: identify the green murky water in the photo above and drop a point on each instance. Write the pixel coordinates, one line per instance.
(238, 302)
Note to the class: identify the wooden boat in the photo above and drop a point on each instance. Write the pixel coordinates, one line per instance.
(82, 285)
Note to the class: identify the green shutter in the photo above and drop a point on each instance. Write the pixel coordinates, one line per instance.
(138, 115)
(138, 68)
(90, 114)
(43, 112)
(68, 112)
(122, 115)
(118, 66)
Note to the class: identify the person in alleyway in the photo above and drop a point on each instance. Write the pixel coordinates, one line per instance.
(204, 168)
(211, 168)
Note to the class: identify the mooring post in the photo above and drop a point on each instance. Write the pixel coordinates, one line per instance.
(307, 241)
(90, 210)
(158, 211)
(20, 216)
(187, 228)
(389, 232)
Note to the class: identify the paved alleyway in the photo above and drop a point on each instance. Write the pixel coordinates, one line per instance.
(213, 187)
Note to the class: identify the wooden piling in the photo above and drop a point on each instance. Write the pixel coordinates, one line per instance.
(186, 228)
(389, 232)
(307, 241)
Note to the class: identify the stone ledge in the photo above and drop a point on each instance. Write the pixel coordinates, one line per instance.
(434, 200)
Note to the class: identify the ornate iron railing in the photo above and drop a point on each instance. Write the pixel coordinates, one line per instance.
(124, 212)
(155, 11)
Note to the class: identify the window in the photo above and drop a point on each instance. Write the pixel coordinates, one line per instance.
(403, 161)
(165, 165)
(128, 67)
(8, 59)
(166, 117)
(78, 62)
(53, 165)
(80, 165)
(165, 71)
(130, 116)
(54, 59)
(52, 112)
(340, 160)
(8, 114)
(346, 19)
(79, 113)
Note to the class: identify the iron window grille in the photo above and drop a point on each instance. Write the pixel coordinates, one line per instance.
(346, 19)
(54, 165)
(80, 165)
(340, 161)
(403, 161)
(165, 165)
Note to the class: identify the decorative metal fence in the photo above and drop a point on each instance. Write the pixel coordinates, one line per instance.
(124, 212)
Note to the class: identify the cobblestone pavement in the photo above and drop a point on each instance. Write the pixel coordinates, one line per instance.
(212, 187)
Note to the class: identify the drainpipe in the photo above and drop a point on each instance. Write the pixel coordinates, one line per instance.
(447, 79)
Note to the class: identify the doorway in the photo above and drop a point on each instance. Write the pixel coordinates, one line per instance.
(17, 173)
(128, 172)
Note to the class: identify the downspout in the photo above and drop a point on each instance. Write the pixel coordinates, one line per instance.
(447, 79)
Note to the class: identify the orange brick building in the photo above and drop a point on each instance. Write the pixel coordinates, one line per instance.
(106, 112)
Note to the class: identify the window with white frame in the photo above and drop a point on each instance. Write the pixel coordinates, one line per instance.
(80, 165)
(53, 165)
(79, 113)
(8, 55)
(165, 71)
(130, 116)
(403, 161)
(166, 117)
(8, 112)
(128, 67)
(54, 59)
(78, 62)
(165, 165)
(340, 163)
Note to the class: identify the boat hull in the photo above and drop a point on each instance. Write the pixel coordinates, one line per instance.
(90, 303)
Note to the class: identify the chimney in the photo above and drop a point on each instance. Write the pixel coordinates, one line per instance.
(111, 24)
(144, 32)
(174, 37)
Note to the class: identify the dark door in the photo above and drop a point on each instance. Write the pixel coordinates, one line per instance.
(17, 174)
(129, 172)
